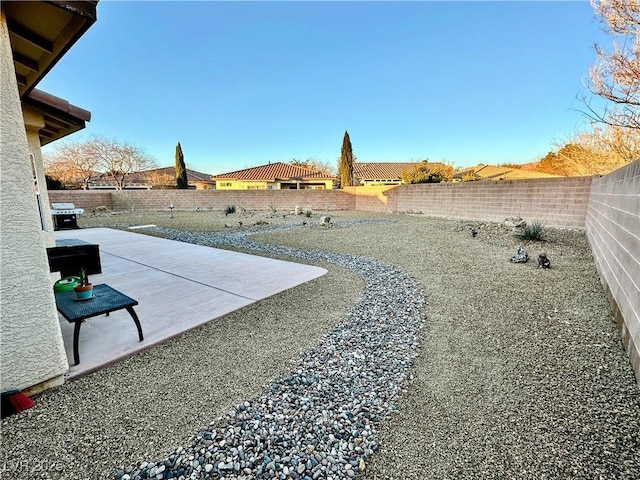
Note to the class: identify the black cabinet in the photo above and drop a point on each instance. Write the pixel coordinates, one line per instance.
(71, 255)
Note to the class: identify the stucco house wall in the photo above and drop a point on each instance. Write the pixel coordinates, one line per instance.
(613, 230)
(34, 121)
(29, 326)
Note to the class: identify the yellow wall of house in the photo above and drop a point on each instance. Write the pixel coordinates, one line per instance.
(240, 185)
(328, 184)
(379, 183)
(250, 185)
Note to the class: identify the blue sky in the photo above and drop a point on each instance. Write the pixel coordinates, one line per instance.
(241, 84)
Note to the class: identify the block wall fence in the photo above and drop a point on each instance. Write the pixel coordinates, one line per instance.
(557, 202)
(608, 208)
(560, 202)
(613, 230)
(206, 200)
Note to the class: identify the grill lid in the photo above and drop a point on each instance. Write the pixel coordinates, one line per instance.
(63, 206)
(65, 209)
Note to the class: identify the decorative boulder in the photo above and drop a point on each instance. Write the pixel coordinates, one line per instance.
(514, 222)
(521, 255)
(543, 261)
(324, 221)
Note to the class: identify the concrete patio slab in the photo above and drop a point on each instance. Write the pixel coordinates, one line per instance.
(178, 285)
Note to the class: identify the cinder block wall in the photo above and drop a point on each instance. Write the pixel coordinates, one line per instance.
(613, 230)
(186, 200)
(557, 202)
(373, 198)
(87, 199)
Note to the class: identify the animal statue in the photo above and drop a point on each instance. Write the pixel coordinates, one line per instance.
(543, 261)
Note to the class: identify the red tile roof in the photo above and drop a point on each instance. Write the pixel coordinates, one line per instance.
(272, 172)
(386, 170)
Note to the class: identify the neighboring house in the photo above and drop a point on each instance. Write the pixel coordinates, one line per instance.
(385, 173)
(156, 178)
(273, 176)
(490, 172)
(34, 37)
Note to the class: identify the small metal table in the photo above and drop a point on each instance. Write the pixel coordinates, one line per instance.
(105, 299)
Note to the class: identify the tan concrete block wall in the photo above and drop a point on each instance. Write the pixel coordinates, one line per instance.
(186, 200)
(373, 198)
(87, 199)
(558, 202)
(613, 230)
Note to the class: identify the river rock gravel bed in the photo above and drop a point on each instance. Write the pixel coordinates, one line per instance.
(321, 421)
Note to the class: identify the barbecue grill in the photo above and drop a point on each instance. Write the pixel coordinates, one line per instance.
(65, 215)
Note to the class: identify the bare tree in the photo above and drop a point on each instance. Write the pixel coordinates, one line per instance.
(317, 165)
(616, 74)
(159, 178)
(71, 165)
(99, 155)
(597, 152)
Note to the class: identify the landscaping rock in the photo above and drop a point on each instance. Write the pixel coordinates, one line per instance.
(514, 222)
(521, 255)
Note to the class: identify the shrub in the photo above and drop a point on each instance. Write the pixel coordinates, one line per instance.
(532, 231)
(229, 209)
(307, 213)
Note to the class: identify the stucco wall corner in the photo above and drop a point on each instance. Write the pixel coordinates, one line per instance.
(31, 346)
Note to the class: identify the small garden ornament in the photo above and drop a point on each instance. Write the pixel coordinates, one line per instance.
(543, 261)
(521, 255)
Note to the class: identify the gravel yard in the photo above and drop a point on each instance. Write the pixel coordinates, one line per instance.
(520, 371)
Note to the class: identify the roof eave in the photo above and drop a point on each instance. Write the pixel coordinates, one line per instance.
(60, 117)
(38, 46)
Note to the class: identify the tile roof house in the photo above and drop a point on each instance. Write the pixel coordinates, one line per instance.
(155, 178)
(274, 176)
(490, 172)
(385, 173)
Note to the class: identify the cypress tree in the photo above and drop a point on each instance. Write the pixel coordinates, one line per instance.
(181, 169)
(345, 167)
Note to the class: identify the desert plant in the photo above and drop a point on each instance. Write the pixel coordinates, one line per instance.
(532, 231)
(229, 209)
(307, 213)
